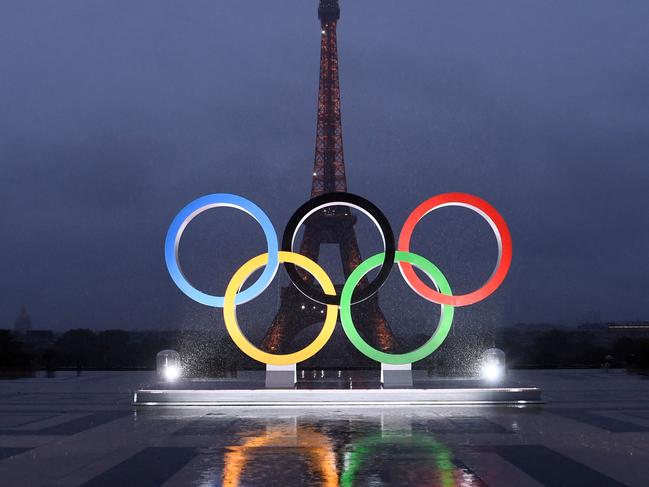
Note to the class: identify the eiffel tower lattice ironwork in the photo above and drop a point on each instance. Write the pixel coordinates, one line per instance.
(333, 225)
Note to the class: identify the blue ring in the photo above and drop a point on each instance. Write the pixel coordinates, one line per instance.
(192, 210)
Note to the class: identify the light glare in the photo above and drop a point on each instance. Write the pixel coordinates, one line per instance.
(171, 373)
(491, 371)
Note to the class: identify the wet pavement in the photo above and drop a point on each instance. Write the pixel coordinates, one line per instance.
(71, 431)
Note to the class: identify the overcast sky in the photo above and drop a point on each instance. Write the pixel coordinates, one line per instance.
(115, 114)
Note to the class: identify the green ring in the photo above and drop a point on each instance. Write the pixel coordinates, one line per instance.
(445, 319)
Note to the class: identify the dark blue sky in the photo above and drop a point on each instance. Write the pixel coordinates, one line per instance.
(115, 114)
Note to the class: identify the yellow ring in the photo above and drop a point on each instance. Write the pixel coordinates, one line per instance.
(230, 310)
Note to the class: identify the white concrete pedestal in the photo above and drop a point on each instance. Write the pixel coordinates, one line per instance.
(281, 376)
(396, 375)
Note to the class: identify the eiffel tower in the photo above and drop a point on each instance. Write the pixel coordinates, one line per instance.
(333, 225)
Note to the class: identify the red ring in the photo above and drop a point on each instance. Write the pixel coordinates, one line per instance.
(498, 225)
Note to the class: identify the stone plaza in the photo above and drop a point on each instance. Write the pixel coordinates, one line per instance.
(593, 430)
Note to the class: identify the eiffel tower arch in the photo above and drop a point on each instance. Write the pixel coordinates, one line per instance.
(333, 225)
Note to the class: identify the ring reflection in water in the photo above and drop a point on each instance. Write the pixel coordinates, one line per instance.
(317, 446)
(331, 452)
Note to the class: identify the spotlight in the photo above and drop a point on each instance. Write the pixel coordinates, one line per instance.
(168, 365)
(171, 373)
(491, 372)
(492, 365)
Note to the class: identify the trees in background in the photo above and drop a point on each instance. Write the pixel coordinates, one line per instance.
(552, 348)
(14, 360)
(109, 349)
(212, 353)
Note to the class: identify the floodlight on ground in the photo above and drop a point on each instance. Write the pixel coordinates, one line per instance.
(168, 365)
(492, 365)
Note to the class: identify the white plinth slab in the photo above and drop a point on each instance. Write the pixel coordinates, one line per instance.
(338, 397)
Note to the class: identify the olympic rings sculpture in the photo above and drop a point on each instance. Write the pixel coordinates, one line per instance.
(235, 293)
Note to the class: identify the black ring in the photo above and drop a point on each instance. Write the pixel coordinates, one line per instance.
(334, 199)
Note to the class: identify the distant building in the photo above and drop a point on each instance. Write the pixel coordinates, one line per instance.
(634, 329)
(639, 326)
(23, 323)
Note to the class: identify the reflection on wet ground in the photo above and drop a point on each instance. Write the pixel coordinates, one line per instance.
(282, 453)
(83, 431)
(330, 452)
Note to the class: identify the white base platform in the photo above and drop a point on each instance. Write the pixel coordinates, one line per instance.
(339, 397)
